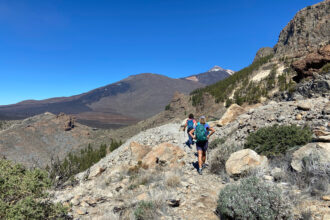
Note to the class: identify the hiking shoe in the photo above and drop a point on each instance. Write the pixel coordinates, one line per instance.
(204, 166)
(200, 171)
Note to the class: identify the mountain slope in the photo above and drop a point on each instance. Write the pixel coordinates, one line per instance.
(306, 38)
(125, 102)
(213, 75)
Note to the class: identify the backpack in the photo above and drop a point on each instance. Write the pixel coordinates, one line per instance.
(190, 123)
(200, 132)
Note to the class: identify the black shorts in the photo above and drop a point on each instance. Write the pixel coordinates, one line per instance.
(202, 145)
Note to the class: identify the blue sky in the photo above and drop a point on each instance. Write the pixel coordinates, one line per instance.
(51, 48)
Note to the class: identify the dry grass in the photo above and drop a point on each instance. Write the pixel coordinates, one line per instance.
(173, 180)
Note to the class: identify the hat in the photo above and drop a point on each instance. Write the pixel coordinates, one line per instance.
(202, 117)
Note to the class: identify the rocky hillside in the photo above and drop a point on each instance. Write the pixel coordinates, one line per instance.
(35, 140)
(155, 167)
(122, 103)
(301, 52)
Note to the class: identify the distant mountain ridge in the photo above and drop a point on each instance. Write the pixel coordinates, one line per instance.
(215, 74)
(122, 103)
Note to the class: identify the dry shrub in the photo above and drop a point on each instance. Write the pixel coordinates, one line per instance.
(173, 180)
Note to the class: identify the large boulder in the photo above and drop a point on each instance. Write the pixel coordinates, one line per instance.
(231, 114)
(244, 160)
(164, 154)
(320, 150)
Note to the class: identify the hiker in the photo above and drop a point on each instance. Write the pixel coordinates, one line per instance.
(190, 123)
(201, 133)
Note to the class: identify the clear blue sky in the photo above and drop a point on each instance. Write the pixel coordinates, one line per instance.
(51, 48)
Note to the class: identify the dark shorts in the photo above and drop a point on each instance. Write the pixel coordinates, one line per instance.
(202, 145)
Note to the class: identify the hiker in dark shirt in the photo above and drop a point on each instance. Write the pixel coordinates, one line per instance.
(202, 132)
(190, 123)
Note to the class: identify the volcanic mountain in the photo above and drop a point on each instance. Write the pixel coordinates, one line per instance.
(122, 103)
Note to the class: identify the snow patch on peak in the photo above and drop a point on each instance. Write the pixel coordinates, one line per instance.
(216, 68)
(230, 72)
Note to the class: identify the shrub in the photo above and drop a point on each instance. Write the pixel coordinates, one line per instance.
(167, 107)
(252, 199)
(278, 139)
(216, 143)
(22, 194)
(173, 180)
(144, 210)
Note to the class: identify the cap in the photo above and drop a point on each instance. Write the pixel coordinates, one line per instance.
(202, 117)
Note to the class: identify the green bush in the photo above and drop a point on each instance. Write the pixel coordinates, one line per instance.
(167, 107)
(22, 194)
(252, 199)
(278, 139)
(144, 210)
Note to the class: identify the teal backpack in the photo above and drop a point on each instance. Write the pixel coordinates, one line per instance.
(200, 132)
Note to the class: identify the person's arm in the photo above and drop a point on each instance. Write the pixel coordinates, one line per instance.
(212, 132)
(185, 125)
(191, 133)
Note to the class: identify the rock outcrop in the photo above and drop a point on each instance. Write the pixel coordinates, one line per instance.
(67, 120)
(243, 161)
(311, 63)
(231, 114)
(306, 32)
(264, 52)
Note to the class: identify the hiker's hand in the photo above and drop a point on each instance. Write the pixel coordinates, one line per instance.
(208, 137)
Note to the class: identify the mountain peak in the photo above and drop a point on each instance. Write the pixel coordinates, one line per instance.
(216, 68)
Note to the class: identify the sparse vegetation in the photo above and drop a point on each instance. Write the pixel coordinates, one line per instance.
(252, 199)
(23, 196)
(325, 68)
(314, 178)
(173, 180)
(222, 89)
(216, 143)
(278, 139)
(74, 163)
(144, 210)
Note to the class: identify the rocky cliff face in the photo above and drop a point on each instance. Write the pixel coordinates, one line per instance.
(306, 32)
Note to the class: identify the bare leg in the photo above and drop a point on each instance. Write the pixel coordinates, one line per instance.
(203, 157)
(200, 162)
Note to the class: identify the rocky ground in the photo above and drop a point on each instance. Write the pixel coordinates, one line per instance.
(155, 165)
(105, 191)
